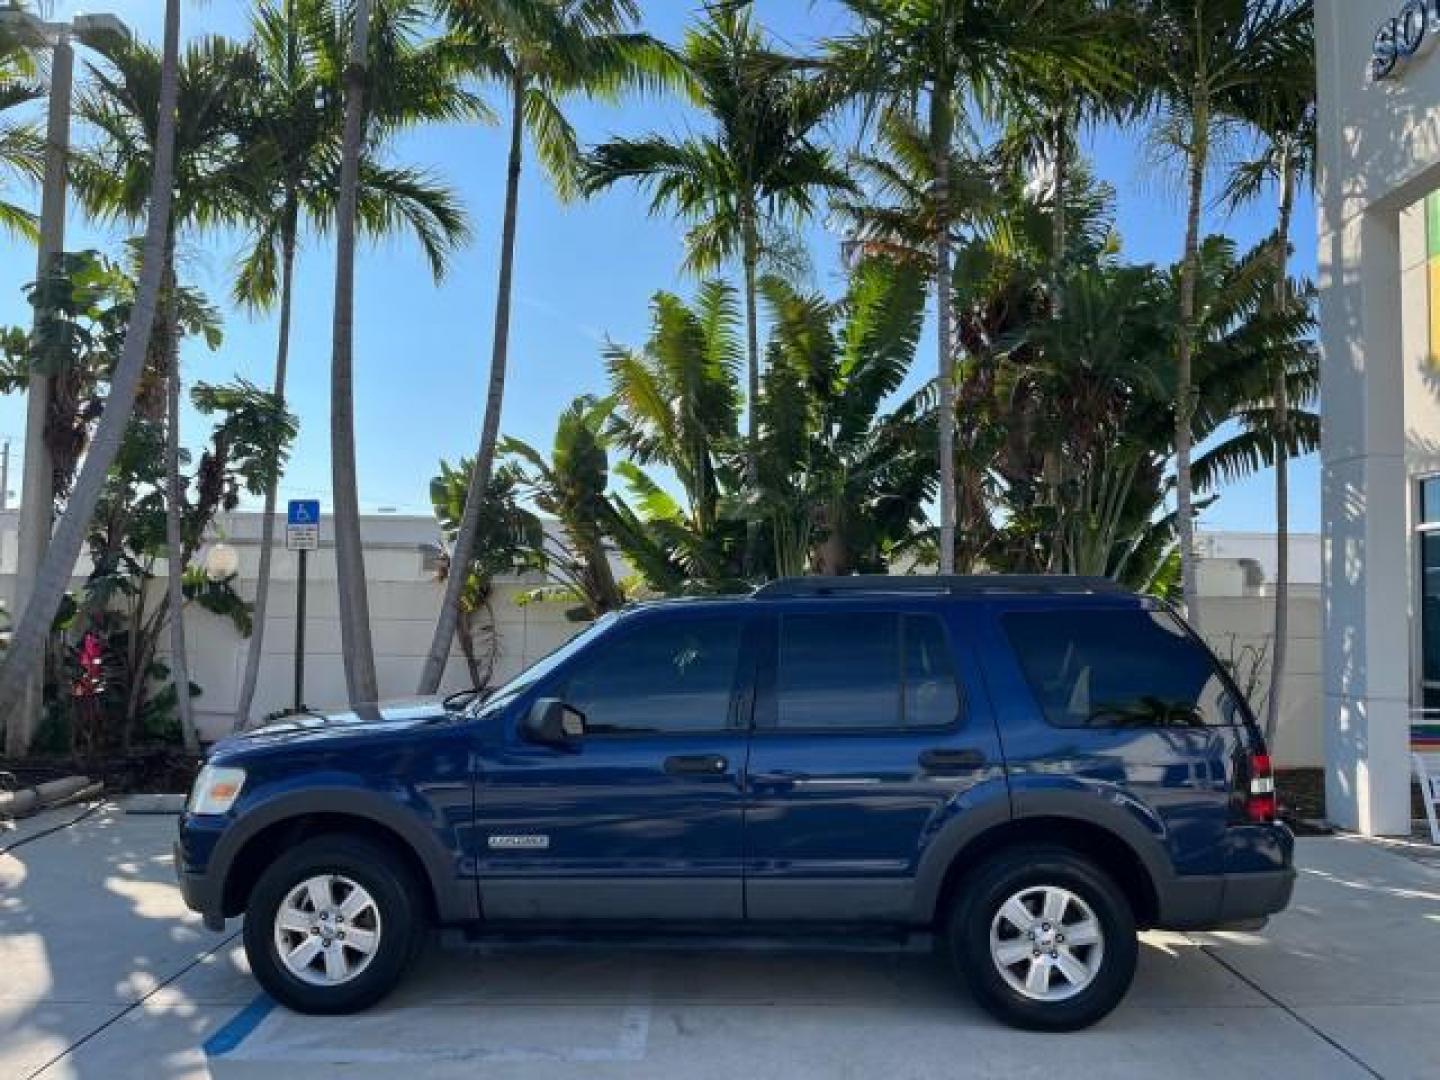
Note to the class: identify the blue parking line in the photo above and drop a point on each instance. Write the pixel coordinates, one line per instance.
(238, 1027)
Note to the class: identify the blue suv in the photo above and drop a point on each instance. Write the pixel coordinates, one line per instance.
(1032, 768)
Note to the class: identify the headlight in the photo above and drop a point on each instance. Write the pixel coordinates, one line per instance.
(215, 790)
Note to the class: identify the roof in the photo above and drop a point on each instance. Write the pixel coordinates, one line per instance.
(939, 585)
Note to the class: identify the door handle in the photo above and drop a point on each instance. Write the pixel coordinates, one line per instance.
(693, 764)
(942, 761)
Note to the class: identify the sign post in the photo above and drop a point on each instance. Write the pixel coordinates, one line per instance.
(302, 535)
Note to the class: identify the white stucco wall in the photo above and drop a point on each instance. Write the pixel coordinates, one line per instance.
(404, 602)
(1379, 153)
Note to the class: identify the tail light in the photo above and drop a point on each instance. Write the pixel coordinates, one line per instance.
(1261, 804)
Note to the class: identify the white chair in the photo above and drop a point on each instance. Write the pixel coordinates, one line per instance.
(1427, 771)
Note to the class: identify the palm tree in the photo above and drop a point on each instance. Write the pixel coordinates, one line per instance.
(356, 642)
(739, 188)
(1284, 115)
(29, 637)
(111, 181)
(570, 486)
(22, 149)
(511, 538)
(1046, 113)
(1209, 55)
(287, 175)
(543, 52)
(927, 60)
(844, 483)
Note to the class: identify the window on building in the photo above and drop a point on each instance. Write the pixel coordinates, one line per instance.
(1429, 543)
(672, 676)
(1118, 669)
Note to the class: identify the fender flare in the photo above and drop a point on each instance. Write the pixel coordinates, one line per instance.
(1084, 805)
(456, 897)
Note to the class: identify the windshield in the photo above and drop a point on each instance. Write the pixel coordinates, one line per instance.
(503, 694)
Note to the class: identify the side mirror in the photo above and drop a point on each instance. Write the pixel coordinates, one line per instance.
(550, 722)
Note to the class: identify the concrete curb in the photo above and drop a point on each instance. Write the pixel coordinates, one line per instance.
(151, 804)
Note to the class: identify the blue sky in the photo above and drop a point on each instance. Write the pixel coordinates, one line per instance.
(584, 272)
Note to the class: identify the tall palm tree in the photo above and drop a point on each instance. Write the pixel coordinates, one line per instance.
(28, 640)
(356, 643)
(111, 181)
(22, 148)
(287, 175)
(1208, 56)
(740, 187)
(1284, 116)
(1045, 115)
(543, 52)
(929, 60)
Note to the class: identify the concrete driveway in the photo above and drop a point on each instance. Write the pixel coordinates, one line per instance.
(104, 974)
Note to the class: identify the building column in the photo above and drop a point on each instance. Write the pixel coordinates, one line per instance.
(1366, 597)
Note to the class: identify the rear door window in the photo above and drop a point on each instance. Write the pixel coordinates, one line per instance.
(1119, 669)
(864, 670)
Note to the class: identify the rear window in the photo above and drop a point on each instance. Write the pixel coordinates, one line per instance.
(1119, 669)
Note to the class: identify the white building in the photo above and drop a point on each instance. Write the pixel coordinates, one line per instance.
(1378, 171)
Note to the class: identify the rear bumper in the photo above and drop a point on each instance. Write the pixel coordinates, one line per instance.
(1212, 901)
(199, 892)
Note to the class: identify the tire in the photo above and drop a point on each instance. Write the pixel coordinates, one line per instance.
(347, 964)
(1079, 981)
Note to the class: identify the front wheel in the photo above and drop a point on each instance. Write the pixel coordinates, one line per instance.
(331, 925)
(1045, 939)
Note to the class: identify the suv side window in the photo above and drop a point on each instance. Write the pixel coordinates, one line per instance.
(1108, 669)
(864, 670)
(667, 676)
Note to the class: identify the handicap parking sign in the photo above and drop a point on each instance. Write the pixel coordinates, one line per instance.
(302, 525)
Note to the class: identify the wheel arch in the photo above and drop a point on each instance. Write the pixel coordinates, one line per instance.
(259, 835)
(1110, 852)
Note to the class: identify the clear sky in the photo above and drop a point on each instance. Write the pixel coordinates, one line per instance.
(584, 272)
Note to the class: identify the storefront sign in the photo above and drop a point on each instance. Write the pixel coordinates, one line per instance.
(1402, 36)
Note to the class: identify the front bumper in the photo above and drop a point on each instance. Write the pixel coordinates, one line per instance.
(199, 892)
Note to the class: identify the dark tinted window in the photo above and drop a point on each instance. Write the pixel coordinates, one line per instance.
(1118, 669)
(844, 670)
(1430, 500)
(932, 698)
(666, 676)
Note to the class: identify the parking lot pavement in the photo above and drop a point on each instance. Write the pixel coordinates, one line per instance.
(104, 974)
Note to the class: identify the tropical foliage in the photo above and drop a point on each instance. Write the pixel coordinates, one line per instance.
(993, 383)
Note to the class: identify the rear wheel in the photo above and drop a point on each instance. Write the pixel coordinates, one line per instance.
(1045, 938)
(331, 925)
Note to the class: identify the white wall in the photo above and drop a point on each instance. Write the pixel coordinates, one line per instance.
(404, 600)
(1233, 624)
(1378, 153)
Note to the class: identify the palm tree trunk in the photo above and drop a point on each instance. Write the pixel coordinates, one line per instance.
(355, 638)
(255, 649)
(1273, 700)
(464, 553)
(1184, 390)
(750, 256)
(940, 134)
(28, 641)
(1058, 223)
(174, 540)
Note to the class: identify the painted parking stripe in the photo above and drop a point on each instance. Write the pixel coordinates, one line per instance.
(239, 1026)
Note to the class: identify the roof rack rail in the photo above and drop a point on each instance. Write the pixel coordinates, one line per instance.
(936, 585)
